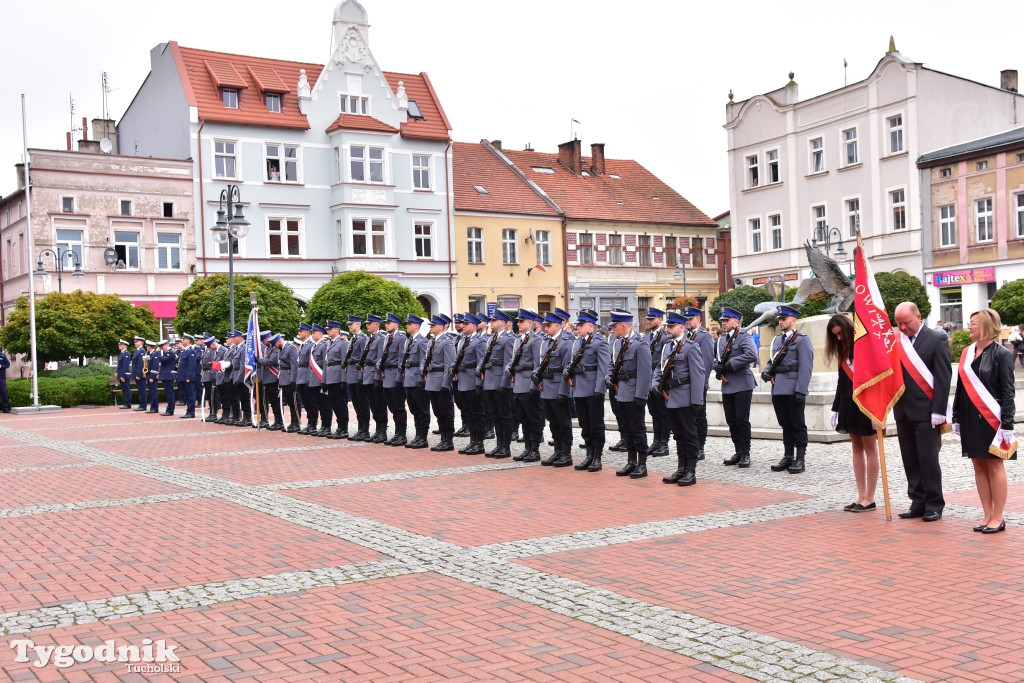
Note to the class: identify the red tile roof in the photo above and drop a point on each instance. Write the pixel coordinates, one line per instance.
(360, 122)
(474, 164)
(628, 198)
(434, 125)
(206, 72)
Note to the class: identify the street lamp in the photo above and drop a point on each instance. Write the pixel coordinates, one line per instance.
(683, 257)
(229, 231)
(58, 258)
(824, 234)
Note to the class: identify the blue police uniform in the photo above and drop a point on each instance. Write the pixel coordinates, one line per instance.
(789, 370)
(586, 371)
(412, 382)
(734, 354)
(124, 375)
(680, 377)
(438, 359)
(629, 376)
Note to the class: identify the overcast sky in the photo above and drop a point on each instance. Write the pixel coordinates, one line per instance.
(648, 78)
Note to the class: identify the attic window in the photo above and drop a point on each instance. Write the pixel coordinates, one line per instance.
(480, 189)
(543, 169)
(414, 111)
(273, 102)
(655, 197)
(230, 97)
(586, 174)
(615, 175)
(946, 173)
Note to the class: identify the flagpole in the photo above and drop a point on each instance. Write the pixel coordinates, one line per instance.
(885, 476)
(30, 248)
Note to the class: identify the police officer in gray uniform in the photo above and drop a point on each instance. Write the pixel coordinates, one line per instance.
(707, 348)
(524, 360)
(287, 363)
(629, 376)
(212, 377)
(437, 359)
(656, 338)
(468, 352)
(302, 375)
(734, 353)
(554, 390)
(354, 378)
(412, 381)
(586, 370)
(334, 402)
(268, 371)
(389, 368)
(680, 378)
(317, 361)
(241, 390)
(789, 370)
(372, 382)
(491, 371)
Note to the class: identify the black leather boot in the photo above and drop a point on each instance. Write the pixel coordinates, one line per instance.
(700, 452)
(505, 451)
(490, 434)
(798, 463)
(641, 467)
(565, 456)
(595, 466)
(689, 477)
(463, 431)
(630, 465)
(586, 461)
(532, 453)
(476, 444)
(420, 440)
(734, 460)
(744, 462)
(555, 455)
(398, 440)
(660, 446)
(678, 474)
(787, 460)
(381, 435)
(620, 447)
(446, 443)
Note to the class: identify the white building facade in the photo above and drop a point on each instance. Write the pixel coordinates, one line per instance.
(845, 159)
(340, 166)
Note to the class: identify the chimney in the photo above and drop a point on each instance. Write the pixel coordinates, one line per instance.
(570, 156)
(69, 140)
(496, 144)
(1008, 80)
(85, 129)
(20, 170)
(597, 158)
(105, 128)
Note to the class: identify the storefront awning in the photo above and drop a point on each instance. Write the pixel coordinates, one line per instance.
(161, 309)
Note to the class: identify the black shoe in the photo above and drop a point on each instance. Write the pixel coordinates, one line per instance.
(140, 409)
(857, 507)
(332, 434)
(419, 442)
(744, 462)
(489, 435)
(436, 431)
(911, 514)
(674, 477)
(627, 470)
(186, 416)
(167, 414)
(516, 437)
(119, 407)
(797, 467)
(152, 411)
(735, 460)
(341, 432)
(700, 453)
(398, 441)
(463, 431)
(640, 472)
(551, 443)
(530, 456)
(293, 428)
(783, 464)
(264, 425)
(689, 478)
(586, 462)
(596, 465)
(934, 517)
(986, 530)
(658, 449)
(619, 447)
(564, 460)
(981, 527)
(849, 506)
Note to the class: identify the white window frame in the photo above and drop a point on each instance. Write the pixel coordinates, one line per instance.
(270, 98)
(816, 158)
(64, 244)
(894, 134)
(422, 172)
(898, 209)
(367, 163)
(230, 97)
(169, 248)
(543, 240)
(234, 156)
(852, 214)
(64, 203)
(1020, 214)
(616, 252)
(121, 204)
(283, 233)
(510, 246)
(163, 207)
(129, 246)
(585, 248)
(772, 166)
(756, 235)
(348, 101)
(282, 161)
(775, 230)
(981, 165)
(475, 245)
(423, 234)
(947, 225)
(371, 231)
(848, 143)
(642, 249)
(753, 171)
(819, 221)
(987, 217)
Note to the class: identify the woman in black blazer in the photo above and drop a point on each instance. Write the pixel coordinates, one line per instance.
(993, 364)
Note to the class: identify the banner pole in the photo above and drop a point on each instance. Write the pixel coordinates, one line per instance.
(881, 466)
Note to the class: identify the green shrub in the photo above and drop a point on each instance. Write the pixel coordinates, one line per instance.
(65, 392)
(961, 340)
(75, 371)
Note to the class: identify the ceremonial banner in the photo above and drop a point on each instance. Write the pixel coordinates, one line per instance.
(253, 348)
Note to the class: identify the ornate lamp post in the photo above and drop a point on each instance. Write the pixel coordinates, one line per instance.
(58, 259)
(231, 226)
(823, 235)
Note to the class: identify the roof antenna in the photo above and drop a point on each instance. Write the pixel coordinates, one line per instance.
(572, 134)
(105, 84)
(845, 82)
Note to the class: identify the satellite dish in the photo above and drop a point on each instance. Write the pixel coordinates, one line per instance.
(106, 146)
(110, 256)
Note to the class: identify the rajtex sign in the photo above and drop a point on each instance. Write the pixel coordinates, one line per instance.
(952, 278)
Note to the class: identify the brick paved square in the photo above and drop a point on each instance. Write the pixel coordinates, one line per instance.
(338, 462)
(34, 456)
(491, 507)
(1014, 499)
(189, 442)
(75, 485)
(421, 627)
(929, 600)
(95, 553)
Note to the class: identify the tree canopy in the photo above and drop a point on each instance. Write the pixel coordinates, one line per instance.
(357, 293)
(899, 287)
(76, 324)
(743, 299)
(204, 305)
(1008, 302)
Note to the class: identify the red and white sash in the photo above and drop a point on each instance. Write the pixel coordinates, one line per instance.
(916, 368)
(985, 403)
(848, 368)
(314, 366)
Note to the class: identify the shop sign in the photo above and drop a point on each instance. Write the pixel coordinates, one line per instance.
(953, 278)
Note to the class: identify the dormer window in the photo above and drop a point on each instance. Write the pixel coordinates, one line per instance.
(354, 104)
(414, 111)
(273, 101)
(230, 97)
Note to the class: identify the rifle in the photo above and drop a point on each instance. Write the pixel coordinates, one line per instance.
(384, 354)
(405, 357)
(666, 372)
(545, 361)
(458, 359)
(723, 358)
(366, 351)
(518, 357)
(617, 368)
(487, 354)
(429, 358)
(577, 359)
(779, 355)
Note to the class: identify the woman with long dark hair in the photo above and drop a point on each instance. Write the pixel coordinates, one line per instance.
(847, 417)
(983, 410)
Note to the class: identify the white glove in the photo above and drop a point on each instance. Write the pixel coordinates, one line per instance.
(956, 428)
(937, 419)
(1005, 435)
(834, 420)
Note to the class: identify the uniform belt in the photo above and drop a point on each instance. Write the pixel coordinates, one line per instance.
(436, 368)
(588, 368)
(335, 363)
(286, 366)
(625, 375)
(520, 368)
(678, 382)
(351, 362)
(788, 368)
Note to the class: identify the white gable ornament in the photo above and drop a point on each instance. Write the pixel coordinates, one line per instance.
(352, 48)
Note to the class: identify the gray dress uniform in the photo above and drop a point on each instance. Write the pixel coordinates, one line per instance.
(415, 394)
(588, 392)
(789, 394)
(289, 364)
(337, 390)
(437, 359)
(525, 394)
(656, 341)
(373, 387)
(707, 351)
(317, 352)
(302, 378)
(354, 379)
(468, 353)
(270, 385)
(681, 375)
(633, 384)
(497, 396)
(390, 365)
(554, 394)
(737, 390)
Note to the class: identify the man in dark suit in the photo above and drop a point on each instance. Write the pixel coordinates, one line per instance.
(921, 411)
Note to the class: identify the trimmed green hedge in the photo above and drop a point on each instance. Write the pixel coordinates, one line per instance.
(65, 392)
(76, 371)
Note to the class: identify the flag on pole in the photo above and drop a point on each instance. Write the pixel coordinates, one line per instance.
(877, 373)
(253, 348)
(541, 268)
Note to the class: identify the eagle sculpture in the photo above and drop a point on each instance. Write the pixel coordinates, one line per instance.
(828, 278)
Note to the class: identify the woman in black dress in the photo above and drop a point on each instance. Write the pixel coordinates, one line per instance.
(847, 417)
(993, 365)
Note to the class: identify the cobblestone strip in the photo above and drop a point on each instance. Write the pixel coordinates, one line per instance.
(416, 474)
(92, 504)
(747, 653)
(187, 597)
